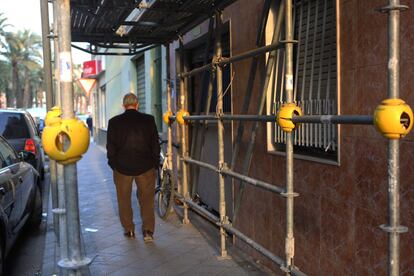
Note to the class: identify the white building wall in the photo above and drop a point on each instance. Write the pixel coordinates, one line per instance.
(120, 80)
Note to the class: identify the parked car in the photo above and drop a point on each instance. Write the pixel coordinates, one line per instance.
(19, 129)
(38, 115)
(20, 196)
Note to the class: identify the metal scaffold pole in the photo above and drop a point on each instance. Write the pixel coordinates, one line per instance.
(47, 68)
(169, 108)
(61, 210)
(76, 260)
(198, 131)
(47, 63)
(261, 104)
(57, 98)
(290, 240)
(394, 228)
(249, 88)
(184, 166)
(220, 132)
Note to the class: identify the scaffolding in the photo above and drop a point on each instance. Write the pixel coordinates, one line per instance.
(288, 118)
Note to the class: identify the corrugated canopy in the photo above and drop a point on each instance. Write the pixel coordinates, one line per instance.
(107, 23)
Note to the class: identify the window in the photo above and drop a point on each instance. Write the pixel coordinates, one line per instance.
(315, 81)
(7, 153)
(33, 126)
(13, 126)
(194, 54)
(200, 82)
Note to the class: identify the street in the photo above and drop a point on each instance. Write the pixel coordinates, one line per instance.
(26, 256)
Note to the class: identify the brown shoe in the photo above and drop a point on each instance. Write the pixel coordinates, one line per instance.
(129, 234)
(148, 236)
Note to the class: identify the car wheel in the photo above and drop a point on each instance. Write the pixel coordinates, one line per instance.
(36, 213)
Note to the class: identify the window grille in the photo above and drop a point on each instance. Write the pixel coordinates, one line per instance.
(315, 83)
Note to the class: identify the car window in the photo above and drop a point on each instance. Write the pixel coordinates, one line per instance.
(13, 126)
(7, 153)
(32, 124)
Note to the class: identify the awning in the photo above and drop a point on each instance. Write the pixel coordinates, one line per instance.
(135, 25)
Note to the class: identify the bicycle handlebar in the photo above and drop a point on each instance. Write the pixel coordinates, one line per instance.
(166, 141)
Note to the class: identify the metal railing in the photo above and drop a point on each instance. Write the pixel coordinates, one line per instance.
(323, 134)
(221, 168)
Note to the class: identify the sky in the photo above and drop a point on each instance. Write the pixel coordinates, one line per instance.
(25, 14)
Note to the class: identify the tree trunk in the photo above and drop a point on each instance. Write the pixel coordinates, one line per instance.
(11, 97)
(3, 97)
(84, 105)
(39, 97)
(26, 91)
(36, 98)
(18, 92)
(31, 96)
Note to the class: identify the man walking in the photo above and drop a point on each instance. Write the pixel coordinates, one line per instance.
(89, 122)
(133, 154)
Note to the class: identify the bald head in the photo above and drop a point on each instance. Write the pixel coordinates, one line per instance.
(130, 101)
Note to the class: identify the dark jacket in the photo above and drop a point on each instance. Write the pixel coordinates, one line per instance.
(132, 143)
(89, 122)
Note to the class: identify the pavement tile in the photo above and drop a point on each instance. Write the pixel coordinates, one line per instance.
(177, 250)
(232, 271)
(129, 271)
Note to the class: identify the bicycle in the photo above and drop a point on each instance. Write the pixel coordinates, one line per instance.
(165, 185)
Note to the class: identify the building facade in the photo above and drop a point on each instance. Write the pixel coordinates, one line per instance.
(142, 74)
(340, 172)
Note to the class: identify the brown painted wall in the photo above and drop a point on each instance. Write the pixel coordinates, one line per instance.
(340, 207)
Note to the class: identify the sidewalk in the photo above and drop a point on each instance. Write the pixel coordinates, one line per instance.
(178, 249)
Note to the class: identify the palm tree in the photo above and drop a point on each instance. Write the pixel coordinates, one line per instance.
(23, 52)
(3, 25)
(31, 62)
(5, 80)
(36, 82)
(13, 55)
(5, 76)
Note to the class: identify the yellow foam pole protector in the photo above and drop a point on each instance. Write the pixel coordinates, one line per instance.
(285, 115)
(393, 118)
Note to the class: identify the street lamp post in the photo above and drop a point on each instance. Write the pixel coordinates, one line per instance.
(75, 261)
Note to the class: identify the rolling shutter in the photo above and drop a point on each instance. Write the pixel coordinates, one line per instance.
(141, 83)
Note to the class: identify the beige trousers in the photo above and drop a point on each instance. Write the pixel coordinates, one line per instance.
(145, 193)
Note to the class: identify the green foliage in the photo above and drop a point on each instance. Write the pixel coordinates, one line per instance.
(21, 64)
(5, 76)
(3, 25)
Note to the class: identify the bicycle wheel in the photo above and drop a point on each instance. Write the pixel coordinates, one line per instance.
(165, 195)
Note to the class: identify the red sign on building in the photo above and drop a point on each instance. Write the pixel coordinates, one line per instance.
(91, 68)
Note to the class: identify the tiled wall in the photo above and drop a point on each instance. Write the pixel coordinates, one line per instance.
(340, 207)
